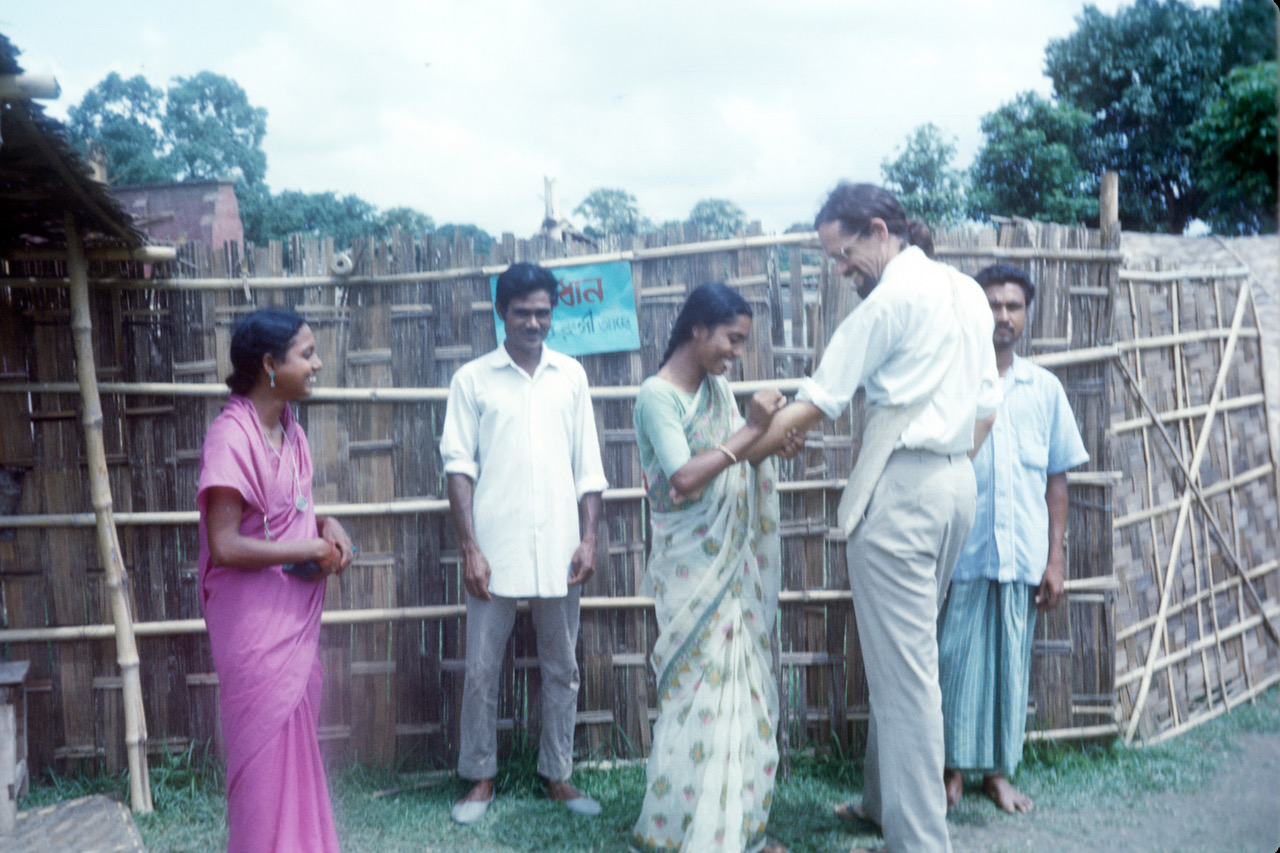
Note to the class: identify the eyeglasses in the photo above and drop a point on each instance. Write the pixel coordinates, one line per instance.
(841, 255)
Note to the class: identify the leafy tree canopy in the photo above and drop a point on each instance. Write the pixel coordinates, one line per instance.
(1236, 137)
(718, 218)
(1145, 75)
(481, 240)
(204, 127)
(923, 178)
(123, 120)
(611, 211)
(1038, 161)
(213, 130)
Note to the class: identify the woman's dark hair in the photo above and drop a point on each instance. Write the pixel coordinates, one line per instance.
(267, 330)
(855, 205)
(521, 279)
(1003, 273)
(710, 305)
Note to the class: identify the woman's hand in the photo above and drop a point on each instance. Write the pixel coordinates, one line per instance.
(792, 444)
(342, 550)
(762, 406)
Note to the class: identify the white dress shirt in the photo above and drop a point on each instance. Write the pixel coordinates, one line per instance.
(529, 443)
(903, 343)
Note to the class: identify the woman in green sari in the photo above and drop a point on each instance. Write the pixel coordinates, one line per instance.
(714, 572)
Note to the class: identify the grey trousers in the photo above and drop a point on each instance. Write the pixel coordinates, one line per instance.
(900, 561)
(489, 624)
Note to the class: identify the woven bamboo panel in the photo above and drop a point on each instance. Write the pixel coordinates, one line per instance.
(1198, 581)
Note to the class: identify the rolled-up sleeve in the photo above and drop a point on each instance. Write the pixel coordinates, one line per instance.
(588, 468)
(460, 438)
(856, 349)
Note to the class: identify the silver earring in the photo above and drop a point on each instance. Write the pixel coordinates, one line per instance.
(272, 374)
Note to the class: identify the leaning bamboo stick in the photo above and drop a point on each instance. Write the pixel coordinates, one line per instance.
(1193, 472)
(108, 543)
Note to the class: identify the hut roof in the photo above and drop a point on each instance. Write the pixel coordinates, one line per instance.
(42, 177)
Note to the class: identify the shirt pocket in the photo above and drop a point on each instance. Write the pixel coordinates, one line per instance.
(1033, 444)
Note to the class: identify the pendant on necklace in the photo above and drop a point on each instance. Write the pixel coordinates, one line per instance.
(300, 503)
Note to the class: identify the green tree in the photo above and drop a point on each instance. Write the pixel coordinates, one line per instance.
(408, 220)
(718, 218)
(1146, 74)
(1236, 137)
(1038, 161)
(481, 240)
(124, 118)
(611, 211)
(923, 178)
(214, 131)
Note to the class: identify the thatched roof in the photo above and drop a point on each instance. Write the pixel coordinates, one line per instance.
(42, 177)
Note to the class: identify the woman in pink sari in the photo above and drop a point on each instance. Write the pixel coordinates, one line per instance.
(264, 559)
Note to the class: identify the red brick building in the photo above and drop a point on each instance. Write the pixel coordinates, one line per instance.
(189, 211)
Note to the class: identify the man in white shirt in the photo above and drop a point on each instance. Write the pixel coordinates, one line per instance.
(919, 343)
(525, 480)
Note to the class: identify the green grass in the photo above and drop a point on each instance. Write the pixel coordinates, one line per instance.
(187, 788)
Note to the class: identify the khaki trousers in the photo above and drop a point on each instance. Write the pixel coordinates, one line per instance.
(900, 561)
(489, 624)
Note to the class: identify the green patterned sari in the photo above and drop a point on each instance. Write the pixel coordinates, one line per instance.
(714, 571)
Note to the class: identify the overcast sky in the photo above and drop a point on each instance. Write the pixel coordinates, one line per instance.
(459, 107)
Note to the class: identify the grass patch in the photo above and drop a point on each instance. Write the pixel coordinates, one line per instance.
(190, 817)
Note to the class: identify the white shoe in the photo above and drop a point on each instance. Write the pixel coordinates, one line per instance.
(470, 811)
(584, 805)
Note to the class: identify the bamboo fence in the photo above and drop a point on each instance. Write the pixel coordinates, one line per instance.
(391, 334)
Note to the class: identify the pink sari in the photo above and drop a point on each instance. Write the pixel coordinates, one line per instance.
(264, 628)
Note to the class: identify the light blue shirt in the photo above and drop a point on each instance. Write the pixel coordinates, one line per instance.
(1034, 435)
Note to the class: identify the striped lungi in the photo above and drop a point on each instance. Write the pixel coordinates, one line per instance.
(985, 631)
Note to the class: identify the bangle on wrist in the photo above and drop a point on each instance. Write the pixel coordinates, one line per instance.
(727, 452)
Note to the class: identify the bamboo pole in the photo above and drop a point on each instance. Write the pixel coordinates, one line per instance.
(108, 543)
(1193, 472)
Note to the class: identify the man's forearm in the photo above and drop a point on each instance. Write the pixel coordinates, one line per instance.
(589, 516)
(799, 415)
(1055, 496)
(461, 493)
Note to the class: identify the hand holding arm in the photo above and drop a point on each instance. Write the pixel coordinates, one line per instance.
(331, 530)
(688, 482)
(227, 547)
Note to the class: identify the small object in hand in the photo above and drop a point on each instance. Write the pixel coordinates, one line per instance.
(307, 571)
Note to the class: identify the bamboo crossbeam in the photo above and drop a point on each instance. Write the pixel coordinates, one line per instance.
(1193, 471)
(1081, 733)
(1229, 405)
(1157, 276)
(1242, 627)
(1162, 341)
(108, 541)
(140, 254)
(1248, 695)
(176, 627)
(406, 506)
(1220, 588)
(1216, 489)
(1030, 253)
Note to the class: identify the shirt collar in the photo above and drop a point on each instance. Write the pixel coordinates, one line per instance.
(500, 358)
(1021, 368)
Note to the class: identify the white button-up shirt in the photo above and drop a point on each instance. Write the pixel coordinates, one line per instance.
(903, 343)
(1034, 435)
(529, 443)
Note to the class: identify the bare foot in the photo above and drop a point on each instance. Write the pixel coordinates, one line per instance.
(772, 846)
(953, 781)
(481, 792)
(1005, 795)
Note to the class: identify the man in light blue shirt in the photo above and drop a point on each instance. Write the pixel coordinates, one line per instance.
(1012, 563)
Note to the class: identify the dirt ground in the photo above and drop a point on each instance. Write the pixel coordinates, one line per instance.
(1239, 812)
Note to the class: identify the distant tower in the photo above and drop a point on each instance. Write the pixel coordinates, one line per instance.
(555, 226)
